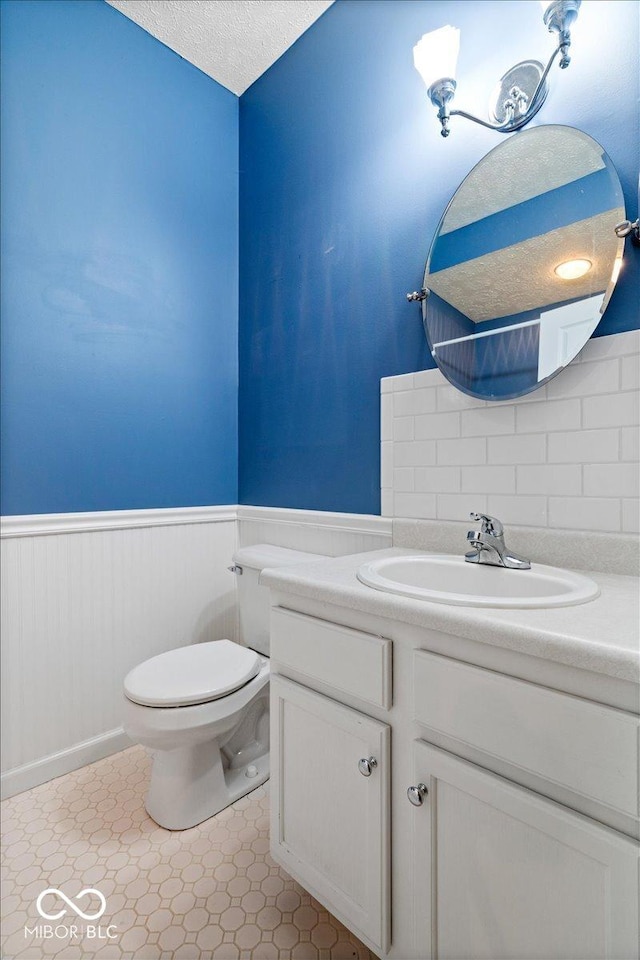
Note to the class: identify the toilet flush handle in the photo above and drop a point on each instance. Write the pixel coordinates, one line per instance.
(236, 568)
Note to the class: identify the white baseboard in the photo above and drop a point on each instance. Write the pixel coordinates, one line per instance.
(48, 768)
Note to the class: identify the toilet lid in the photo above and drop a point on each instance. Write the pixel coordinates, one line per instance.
(193, 674)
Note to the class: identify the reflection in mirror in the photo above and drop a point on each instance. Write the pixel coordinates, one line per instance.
(524, 262)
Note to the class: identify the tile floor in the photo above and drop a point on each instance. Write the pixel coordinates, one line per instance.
(210, 892)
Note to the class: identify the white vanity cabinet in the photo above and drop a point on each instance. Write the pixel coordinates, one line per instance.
(330, 805)
(519, 839)
(500, 872)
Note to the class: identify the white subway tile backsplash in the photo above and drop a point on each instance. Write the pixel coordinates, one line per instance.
(631, 516)
(584, 513)
(488, 421)
(613, 410)
(415, 505)
(386, 504)
(420, 453)
(630, 373)
(403, 479)
(550, 479)
(427, 378)
(619, 345)
(526, 511)
(585, 380)
(386, 417)
(464, 452)
(545, 417)
(402, 403)
(488, 480)
(403, 382)
(409, 403)
(437, 425)
(435, 479)
(564, 456)
(584, 446)
(386, 465)
(611, 480)
(448, 398)
(403, 428)
(536, 396)
(528, 448)
(458, 506)
(630, 443)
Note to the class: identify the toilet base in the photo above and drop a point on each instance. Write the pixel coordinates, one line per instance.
(191, 784)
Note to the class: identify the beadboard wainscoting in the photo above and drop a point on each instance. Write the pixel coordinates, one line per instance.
(314, 531)
(562, 457)
(85, 597)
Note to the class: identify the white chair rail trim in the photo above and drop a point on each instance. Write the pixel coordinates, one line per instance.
(346, 522)
(38, 525)
(45, 524)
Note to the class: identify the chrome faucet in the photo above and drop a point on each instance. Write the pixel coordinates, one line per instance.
(490, 547)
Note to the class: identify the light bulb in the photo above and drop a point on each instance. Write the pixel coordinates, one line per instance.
(572, 269)
(435, 56)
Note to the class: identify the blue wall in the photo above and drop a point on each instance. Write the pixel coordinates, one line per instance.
(120, 267)
(120, 243)
(344, 177)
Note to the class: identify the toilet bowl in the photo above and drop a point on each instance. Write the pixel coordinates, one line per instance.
(202, 710)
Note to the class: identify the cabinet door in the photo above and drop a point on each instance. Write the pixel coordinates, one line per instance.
(330, 822)
(504, 874)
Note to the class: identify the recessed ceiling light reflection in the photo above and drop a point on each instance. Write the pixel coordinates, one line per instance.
(573, 269)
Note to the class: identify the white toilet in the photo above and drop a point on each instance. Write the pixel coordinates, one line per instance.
(203, 710)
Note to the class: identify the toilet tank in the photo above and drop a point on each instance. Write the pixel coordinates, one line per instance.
(254, 600)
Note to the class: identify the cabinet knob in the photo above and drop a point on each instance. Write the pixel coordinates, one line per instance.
(366, 766)
(417, 794)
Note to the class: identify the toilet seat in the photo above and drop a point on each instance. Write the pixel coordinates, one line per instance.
(193, 674)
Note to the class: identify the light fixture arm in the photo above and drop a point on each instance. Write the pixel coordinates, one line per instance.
(515, 117)
(500, 127)
(523, 89)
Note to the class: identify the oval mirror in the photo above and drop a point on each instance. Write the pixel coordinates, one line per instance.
(523, 263)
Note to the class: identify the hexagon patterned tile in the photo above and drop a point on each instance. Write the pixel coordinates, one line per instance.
(209, 893)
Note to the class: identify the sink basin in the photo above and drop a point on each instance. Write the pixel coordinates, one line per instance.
(450, 579)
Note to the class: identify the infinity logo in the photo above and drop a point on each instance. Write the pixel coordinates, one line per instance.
(74, 907)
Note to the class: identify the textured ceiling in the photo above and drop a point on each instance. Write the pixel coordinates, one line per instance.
(521, 169)
(233, 41)
(521, 277)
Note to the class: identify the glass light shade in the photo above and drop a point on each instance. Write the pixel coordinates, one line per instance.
(572, 269)
(545, 4)
(435, 56)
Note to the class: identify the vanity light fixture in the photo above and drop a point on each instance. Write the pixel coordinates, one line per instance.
(573, 269)
(518, 95)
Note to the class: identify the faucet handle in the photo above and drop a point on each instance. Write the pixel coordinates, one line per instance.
(490, 525)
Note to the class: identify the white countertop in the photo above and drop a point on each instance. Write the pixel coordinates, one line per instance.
(602, 635)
